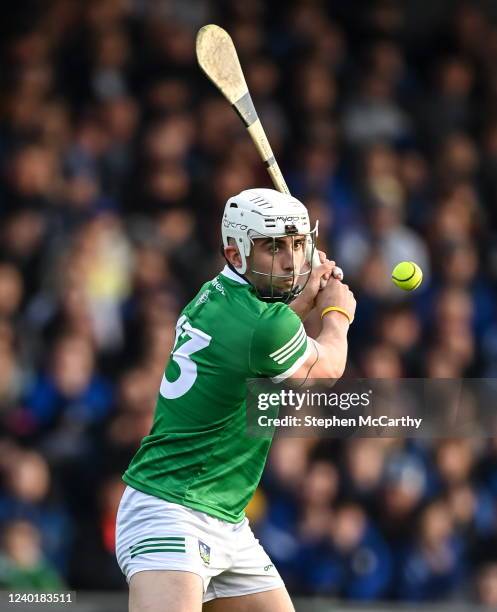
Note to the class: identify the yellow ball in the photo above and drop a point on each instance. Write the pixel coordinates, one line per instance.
(407, 275)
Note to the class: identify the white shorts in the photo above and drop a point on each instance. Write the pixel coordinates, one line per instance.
(153, 534)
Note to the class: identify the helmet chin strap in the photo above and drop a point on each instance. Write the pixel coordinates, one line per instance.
(285, 296)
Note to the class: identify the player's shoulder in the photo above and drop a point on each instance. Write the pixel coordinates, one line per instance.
(277, 320)
(224, 302)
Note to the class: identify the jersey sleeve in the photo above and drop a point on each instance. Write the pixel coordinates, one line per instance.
(279, 343)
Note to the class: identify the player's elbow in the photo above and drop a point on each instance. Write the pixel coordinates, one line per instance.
(322, 363)
(335, 369)
(327, 368)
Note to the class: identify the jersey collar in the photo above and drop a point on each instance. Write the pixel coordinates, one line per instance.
(226, 271)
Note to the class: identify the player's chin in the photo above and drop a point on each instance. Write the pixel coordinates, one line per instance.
(285, 286)
(276, 291)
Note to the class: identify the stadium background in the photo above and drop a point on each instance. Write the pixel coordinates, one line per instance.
(116, 159)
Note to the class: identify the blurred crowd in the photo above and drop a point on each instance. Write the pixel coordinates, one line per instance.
(116, 158)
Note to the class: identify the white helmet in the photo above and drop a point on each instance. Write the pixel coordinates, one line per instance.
(265, 213)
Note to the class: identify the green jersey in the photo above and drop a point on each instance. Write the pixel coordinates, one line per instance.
(197, 453)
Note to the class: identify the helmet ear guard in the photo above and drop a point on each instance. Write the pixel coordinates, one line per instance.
(238, 231)
(244, 248)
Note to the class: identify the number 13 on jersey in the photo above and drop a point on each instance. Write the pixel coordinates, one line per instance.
(181, 355)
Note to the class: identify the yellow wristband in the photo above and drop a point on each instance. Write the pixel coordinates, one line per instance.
(337, 309)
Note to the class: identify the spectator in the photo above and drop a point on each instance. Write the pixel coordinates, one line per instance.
(487, 585)
(366, 559)
(28, 495)
(433, 566)
(70, 394)
(22, 566)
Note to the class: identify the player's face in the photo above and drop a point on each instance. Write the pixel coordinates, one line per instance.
(278, 261)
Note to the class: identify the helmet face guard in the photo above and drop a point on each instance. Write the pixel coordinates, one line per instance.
(299, 278)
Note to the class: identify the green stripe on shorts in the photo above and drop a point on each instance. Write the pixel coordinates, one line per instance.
(178, 547)
(152, 548)
(173, 540)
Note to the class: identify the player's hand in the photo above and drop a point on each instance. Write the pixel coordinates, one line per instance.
(320, 274)
(337, 294)
(305, 301)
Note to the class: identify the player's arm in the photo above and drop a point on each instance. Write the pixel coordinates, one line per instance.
(329, 354)
(279, 344)
(280, 347)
